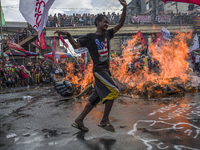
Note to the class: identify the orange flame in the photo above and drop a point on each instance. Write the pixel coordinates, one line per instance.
(172, 63)
(78, 77)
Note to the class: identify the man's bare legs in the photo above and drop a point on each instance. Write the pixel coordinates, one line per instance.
(105, 118)
(87, 109)
(105, 123)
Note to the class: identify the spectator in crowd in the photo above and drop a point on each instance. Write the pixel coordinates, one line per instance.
(55, 21)
(25, 75)
(37, 74)
(3, 77)
(29, 67)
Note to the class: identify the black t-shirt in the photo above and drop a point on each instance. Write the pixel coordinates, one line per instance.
(99, 49)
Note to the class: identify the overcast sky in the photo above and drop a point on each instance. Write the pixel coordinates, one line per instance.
(11, 7)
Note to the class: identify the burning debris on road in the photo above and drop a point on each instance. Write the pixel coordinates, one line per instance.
(166, 71)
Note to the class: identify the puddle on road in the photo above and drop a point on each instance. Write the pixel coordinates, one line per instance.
(172, 126)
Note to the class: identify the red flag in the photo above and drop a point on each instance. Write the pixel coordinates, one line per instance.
(197, 2)
(141, 37)
(63, 41)
(158, 38)
(42, 41)
(83, 55)
(54, 51)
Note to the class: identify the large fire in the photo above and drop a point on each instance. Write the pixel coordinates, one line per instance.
(171, 59)
(78, 78)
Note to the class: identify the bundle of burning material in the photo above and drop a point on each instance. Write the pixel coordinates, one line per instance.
(65, 88)
(150, 89)
(173, 88)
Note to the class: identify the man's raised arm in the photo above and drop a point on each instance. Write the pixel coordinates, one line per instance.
(123, 16)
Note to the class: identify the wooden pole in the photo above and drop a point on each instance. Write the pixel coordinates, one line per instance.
(176, 7)
(2, 52)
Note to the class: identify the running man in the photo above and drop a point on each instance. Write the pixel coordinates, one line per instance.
(98, 46)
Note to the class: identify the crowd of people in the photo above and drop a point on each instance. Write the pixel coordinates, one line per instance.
(63, 20)
(21, 34)
(40, 73)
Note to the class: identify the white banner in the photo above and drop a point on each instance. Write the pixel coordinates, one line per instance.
(195, 44)
(164, 18)
(143, 19)
(36, 12)
(85, 58)
(166, 33)
(81, 50)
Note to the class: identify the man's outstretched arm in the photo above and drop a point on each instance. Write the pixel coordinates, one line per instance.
(123, 16)
(70, 38)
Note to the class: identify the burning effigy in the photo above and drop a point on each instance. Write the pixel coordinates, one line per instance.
(158, 71)
(171, 74)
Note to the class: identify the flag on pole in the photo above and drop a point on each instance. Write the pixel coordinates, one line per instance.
(158, 38)
(42, 41)
(63, 41)
(197, 2)
(195, 44)
(166, 34)
(36, 12)
(2, 17)
(141, 37)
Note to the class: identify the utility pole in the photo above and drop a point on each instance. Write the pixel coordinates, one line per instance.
(2, 52)
(154, 9)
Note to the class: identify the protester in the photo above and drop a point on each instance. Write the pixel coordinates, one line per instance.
(25, 75)
(105, 88)
(197, 61)
(29, 67)
(37, 74)
(3, 77)
(17, 76)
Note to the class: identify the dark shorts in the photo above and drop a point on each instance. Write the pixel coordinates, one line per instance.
(104, 88)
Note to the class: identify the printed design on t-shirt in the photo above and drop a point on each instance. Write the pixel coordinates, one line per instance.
(102, 49)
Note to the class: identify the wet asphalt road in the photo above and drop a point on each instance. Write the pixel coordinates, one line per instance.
(39, 124)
